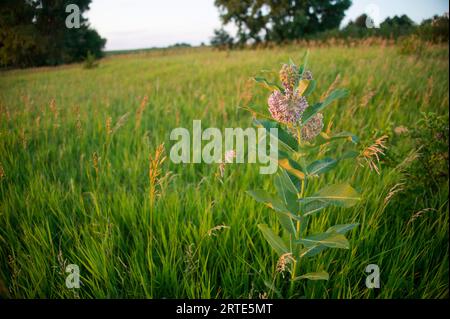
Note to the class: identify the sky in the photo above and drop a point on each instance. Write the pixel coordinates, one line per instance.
(134, 24)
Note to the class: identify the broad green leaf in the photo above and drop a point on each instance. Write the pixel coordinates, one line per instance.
(302, 86)
(270, 200)
(286, 191)
(322, 275)
(287, 181)
(314, 109)
(332, 240)
(321, 166)
(324, 138)
(285, 139)
(311, 86)
(273, 288)
(341, 195)
(311, 251)
(288, 194)
(290, 165)
(309, 208)
(274, 240)
(286, 222)
(315, 249)
(349, 154)
(341, 228)
(270, 85)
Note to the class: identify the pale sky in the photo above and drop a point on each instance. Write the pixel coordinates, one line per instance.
(133, 24)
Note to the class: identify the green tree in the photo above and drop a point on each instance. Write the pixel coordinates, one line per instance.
(221, 39)
(34, 32)
(280, 20)
(397, 26)
(435, 29)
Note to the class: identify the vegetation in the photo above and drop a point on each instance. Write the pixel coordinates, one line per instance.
(84, 179)
(34, 33)
(280, 21)
(305, 156)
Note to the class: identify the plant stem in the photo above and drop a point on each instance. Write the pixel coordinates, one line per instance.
(293, 274)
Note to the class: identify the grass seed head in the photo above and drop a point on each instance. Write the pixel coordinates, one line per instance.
(371, 154)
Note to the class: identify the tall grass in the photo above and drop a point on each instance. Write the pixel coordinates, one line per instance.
(76, 183)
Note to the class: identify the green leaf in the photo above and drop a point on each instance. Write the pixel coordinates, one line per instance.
(290, 165)
(341, 228)
(309, 208)
(270, 200)
(273, 288)
(315, 249)
(285, 139)
(288, 193)
(341, 195)
(314, 109)
(311, 86)
(287, 181)
(286, 190)
(270, 85)
(347, 135)
(331, 240)
(286, 222)
(324, 138)
(321, 166)
(311, 251)
(304, 59)
(349, 154)
(322, 275)
(274, 240)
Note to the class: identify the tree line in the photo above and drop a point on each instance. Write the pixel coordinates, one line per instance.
(34, 33)
(281, 21)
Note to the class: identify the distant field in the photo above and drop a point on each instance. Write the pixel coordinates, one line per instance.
(75, 188)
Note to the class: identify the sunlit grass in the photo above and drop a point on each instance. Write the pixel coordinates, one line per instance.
(75, 189)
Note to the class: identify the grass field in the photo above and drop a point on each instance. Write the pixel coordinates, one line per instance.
(75, 185)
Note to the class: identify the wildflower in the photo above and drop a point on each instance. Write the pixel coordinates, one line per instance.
(307, 75)
(288, 76)
(287, 109)
(313, 127)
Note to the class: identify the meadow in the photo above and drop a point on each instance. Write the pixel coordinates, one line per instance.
(77, 145)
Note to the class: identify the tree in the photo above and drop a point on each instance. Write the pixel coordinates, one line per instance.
(358, 28)
(397, 26)
(435, 29)
(19, 38)
(34, 32)
(221, 39)
(280, 20)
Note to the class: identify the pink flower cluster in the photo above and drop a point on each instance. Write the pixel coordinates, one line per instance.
(288, 107)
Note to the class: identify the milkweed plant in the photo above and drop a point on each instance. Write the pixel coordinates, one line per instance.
(305, 155)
